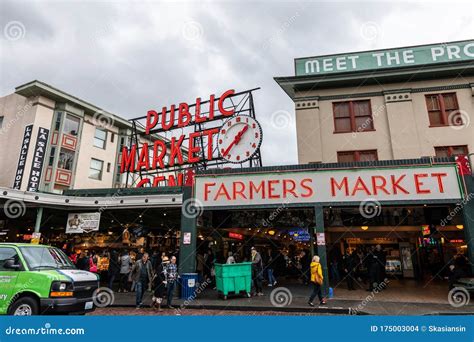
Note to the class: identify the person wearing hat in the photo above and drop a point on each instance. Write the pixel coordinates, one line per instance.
(159, 283)
(257, 271)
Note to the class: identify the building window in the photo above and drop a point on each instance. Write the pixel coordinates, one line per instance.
(356, 156)
(57, 123)
(443, 110)
(108, 167)
(112, 137)
(100, 137)
(95, 171)
(352, 116)
(51, 156)
(1, 122)
(66, 159)
(71, 125)
(451, 151)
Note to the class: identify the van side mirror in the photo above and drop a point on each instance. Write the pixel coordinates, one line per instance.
(11, 265)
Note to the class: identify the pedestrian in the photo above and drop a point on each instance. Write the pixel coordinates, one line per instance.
(171, 273)
(200, 266)
(125, 268)
(348, 262)
(305, 266)
(271, 260)
(316, 280)
(159, 283)
(257, 271)
(142, 274)
(114, 267)
(230, 259)
(83, 262)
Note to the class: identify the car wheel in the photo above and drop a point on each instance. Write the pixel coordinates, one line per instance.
(25, 306)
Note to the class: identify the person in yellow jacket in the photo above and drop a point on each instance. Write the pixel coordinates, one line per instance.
(316, 281)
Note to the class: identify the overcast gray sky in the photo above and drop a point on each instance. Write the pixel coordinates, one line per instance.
(130, 56)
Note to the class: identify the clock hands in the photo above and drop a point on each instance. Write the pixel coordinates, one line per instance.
(236, 140)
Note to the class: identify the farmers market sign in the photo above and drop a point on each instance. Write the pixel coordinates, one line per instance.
(352, 185)
(388, 58)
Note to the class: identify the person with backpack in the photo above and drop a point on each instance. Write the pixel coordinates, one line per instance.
(257, 271)
(316, 280)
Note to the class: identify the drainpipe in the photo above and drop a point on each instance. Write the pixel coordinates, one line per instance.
(39, 216)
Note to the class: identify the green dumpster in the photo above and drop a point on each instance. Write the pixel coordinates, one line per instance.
(233, 278)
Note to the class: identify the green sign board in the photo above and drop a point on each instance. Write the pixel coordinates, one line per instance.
(388, 58)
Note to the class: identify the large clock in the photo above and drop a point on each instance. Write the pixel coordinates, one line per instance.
(239, 138)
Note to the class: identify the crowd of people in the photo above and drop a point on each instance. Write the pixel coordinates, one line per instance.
(136, 271)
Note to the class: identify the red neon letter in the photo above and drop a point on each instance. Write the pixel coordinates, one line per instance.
(164, 125)
(128, 160)
(221, 103)
(192, 149)
(381, 186)
(207, 191)
(158, 158)
(183, 112)
(308, 188)
(151, 120)
(175, 150)
(396, 186)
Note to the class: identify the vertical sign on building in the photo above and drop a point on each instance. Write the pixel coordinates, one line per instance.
(20, 169)
(38, 159)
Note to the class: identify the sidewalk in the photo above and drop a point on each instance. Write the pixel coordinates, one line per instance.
(389, 302)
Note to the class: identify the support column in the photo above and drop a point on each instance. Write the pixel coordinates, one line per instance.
(321, 249)
(187, 252)
(468, 213)
(39, 217)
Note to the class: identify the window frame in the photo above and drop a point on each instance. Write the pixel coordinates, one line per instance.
(450, 149)
(352, 117)
(442, 108)
(101, 173)
(356, 154)
(104, 141)
(2, 119)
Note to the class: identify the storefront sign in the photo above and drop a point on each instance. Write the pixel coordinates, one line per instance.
(236, 236)
(38, 159)
(82, 223)
(353, 185)
(235, 137)
(20, 169)
(187, 238)
(383, 59)
(320, 239)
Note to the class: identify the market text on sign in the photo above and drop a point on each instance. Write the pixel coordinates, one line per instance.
(183, 149)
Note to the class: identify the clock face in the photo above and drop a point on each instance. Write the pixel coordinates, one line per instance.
(239, 138)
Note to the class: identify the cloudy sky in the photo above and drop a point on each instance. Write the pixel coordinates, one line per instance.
(130, 56)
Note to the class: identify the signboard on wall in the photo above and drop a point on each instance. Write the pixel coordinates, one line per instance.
(38, 159)
(388, 58)
(82, 223)
(20, 169)
(353, 185)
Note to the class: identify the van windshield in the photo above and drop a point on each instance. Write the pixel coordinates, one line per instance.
(46, 258)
